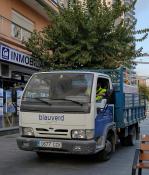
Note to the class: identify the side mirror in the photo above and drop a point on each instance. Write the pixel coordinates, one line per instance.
(101, 104)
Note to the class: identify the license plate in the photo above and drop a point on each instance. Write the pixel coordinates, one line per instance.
(47, 144)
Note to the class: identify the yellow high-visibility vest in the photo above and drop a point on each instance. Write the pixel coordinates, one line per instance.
(100, 93)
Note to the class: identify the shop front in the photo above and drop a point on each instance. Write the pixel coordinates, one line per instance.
(15, 69)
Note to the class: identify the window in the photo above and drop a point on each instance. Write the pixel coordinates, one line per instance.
(21, 27)
(55, 1)
(61, 3)
(5, 70)
(58, 92)
(60, 86)
(16, 31)
(103, 83)
(103, 88)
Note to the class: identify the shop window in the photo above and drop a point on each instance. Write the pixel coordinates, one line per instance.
(20, 76)
(16, 76)
(5, 70)
(21, 27)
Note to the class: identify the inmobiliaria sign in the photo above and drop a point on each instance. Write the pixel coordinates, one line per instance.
(12, 55)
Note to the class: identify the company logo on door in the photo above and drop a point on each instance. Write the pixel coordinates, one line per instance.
(51, 118)
(14, 56)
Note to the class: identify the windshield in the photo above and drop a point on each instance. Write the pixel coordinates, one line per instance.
(59, 89)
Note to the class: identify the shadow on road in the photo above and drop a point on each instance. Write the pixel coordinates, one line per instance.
(75, 159)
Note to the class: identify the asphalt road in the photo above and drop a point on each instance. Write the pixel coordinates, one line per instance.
(16, 162)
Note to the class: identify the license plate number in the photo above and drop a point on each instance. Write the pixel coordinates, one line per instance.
(47, 144)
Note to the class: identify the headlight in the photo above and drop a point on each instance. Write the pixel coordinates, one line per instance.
(82, 134)
(27, 131)
(78, 134)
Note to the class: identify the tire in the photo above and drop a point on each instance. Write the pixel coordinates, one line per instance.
(130, 140)
(106, 154)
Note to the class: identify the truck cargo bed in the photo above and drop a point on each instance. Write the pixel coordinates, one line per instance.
(130, 106)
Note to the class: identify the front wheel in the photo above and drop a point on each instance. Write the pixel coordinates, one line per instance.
(106, 154)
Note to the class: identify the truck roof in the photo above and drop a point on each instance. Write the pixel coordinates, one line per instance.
(76, 71)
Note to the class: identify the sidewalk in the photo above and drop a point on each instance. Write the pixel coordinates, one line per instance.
(7, 131)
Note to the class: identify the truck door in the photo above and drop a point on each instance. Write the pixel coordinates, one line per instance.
(104, 110)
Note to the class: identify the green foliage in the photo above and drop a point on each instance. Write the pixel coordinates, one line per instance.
(88, 35)
(143, 89)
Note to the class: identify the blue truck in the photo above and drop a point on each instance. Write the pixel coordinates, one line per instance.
(59, 112)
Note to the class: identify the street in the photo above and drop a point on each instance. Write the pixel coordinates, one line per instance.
(16, 162)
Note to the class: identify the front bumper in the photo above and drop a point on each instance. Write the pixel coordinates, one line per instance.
(68, 146)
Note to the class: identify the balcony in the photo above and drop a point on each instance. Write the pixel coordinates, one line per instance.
(13, 32)
(40, 5)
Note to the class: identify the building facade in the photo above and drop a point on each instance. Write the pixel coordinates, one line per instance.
(18, 19)
(128, 15)
(142, 81)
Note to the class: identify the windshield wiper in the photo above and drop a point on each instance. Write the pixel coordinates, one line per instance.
(66, 99)
(40, 99)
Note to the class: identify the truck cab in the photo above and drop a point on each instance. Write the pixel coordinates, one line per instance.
(59, 113)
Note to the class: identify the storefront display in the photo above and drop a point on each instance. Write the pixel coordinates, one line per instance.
(16, 68)
(9, 106)
(9, 109)
(1, 108)
(1, 102)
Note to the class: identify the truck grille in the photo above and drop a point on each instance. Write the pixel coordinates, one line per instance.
(52, 132)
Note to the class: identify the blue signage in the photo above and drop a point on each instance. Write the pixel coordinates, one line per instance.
(5, 53)
(14, 56)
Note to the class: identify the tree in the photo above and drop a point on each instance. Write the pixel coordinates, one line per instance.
(144, 90)
(87, 35)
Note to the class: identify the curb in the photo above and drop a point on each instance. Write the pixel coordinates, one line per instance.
(8, 131)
